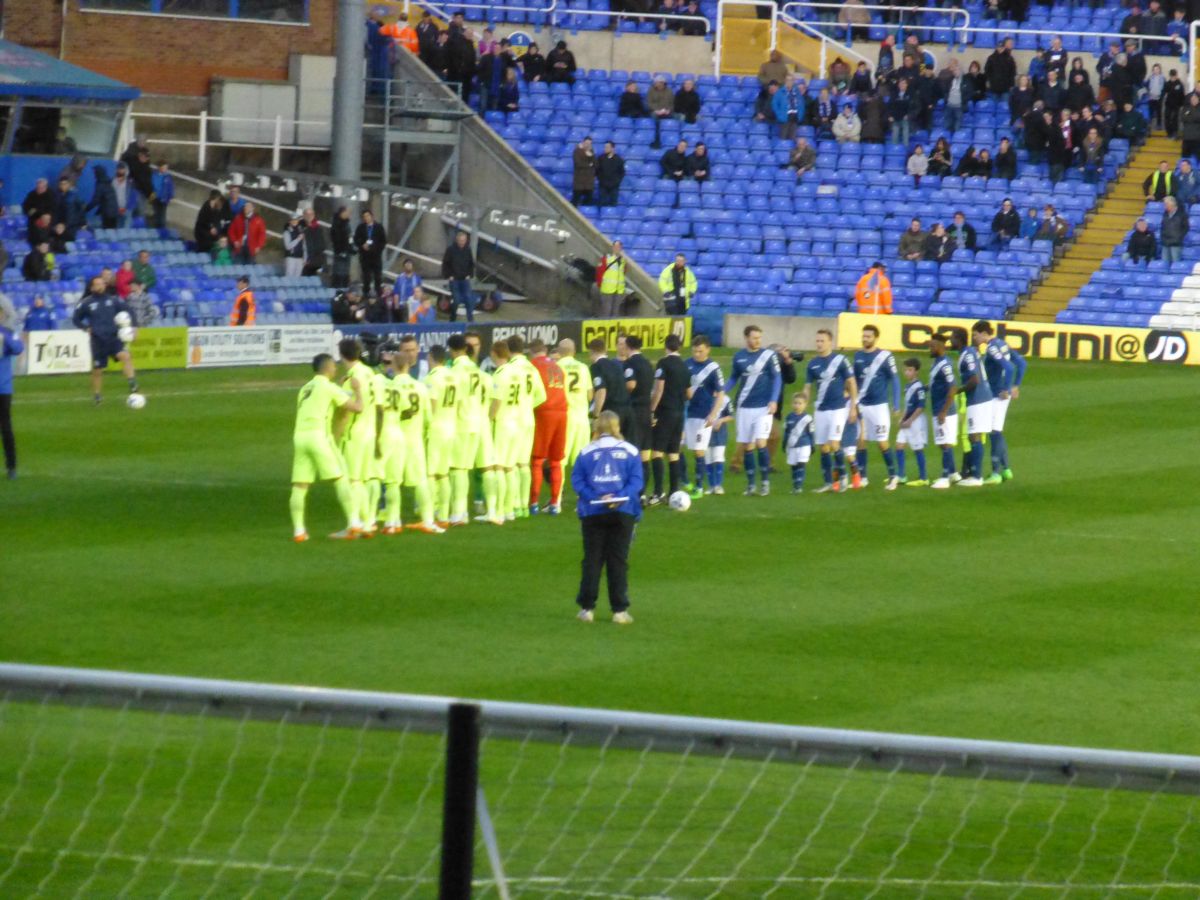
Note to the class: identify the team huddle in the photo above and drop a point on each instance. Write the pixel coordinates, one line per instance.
(453, 430)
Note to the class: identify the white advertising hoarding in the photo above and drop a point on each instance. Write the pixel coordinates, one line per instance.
(57, 352)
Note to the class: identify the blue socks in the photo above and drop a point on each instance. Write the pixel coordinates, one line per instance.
(947, 462)
(999, 452)
(860, 459)
(839, 462)
(920, 455)
(889, 460)
(798, 476)
(701, 468)
(977, 459)
(901, 463)
(764, 464)
(748, 463)
(827, 467)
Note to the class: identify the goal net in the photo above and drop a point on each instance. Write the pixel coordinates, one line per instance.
(116, 785)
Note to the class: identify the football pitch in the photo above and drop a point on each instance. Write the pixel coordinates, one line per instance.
(1057, 608)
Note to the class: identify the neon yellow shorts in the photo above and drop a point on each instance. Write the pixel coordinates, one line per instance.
(579, 435)
(485, 449)
(315, 459)
(390, 469)
(525, 447)
(466, 449)
(359, 456)
(413, 471)
(509, 441)
(439, 449)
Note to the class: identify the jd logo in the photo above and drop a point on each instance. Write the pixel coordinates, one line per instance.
(1166, 347)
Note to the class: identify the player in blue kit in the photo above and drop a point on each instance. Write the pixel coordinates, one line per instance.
(834, 377)
(716, 449)
(1005, 370)
(914, 429)
(979, 404)
(104, 318)
(878, 381)
(942, 388)
(798, 440)
(703, 409)
(756, 368)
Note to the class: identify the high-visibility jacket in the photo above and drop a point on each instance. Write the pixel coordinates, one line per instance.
(402, 34)
(873, 294)
(666, 283)
(243, 309)
(610, 274)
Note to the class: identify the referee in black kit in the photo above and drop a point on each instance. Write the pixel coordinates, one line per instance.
(668, 400)
(639, 380)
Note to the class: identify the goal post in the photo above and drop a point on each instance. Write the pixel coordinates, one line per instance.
(124, 785)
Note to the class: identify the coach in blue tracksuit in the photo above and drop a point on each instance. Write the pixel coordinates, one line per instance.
(10, 348)
(608, 480)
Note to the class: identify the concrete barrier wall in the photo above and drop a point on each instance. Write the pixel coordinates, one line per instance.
(793, 332)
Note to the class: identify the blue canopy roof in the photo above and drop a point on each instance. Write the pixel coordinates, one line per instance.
(28, 73)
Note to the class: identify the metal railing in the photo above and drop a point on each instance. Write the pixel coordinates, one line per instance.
(554, 10)
(812, 31)
(952, 12)
(1009, 32)
(719, 44)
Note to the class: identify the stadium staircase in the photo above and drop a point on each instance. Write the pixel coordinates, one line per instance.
(1103, 229)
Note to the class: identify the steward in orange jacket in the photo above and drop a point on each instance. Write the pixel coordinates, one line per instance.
(873, 293)
(402, 33)
(243, 306)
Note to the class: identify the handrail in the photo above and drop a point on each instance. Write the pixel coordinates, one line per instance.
(950, 11)
(627, 15)
(978, 29)
(825, 40)
(718, 45)
(1192, 60)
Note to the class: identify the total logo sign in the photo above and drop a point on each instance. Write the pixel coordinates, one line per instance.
(1166, 347)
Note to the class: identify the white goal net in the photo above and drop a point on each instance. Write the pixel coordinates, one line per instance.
(116, 785)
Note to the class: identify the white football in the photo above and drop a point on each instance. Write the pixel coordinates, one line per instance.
(135, 401)
(126, 335)
(680, 501)
(122, 319)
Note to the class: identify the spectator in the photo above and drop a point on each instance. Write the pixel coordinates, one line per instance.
(1055, 59)
(560, 64)
(927, 93)
(873, 114)
(1177, 28)
(839, 77)
(39, 201)
(938, 246)
(143, 271)
(221, 255)
(208, 223)
(677, 283)
(968, 166)
(1187, 185)
(314, 244)
(687, 103)
(376, 311)
(74, 169)
(438, 55)
(402, 310)
(855, 18)
(631, 105)
(1172, 103)
(163, 186)
(610, 276)
(1004, 165)
(610, 172)
(424, 313)
(1160, 183)
(791, 108)
(583, 181)
(962, 233)
(918, 164)
(692, 27)
(660, 100)
(127, 195)
(141, 304)
(953, 88)
(1155, 85)
(1189, 126)
(243, 312)
(885, 62)
(873, 292)
(803, 157)
(1091, 156)
(533, 64)
(983, 163)
(40, 230)
(1059, 153)
(764, 110)
(1141, 247)
(699, 163)
(1131, 125)
(461, 61)
(912, 242)
(458, 268)
(370, 240)
(1053, 227)
(901, 113)
(342, 309)
(1006, 224)
(1135, 60)
(68, 209)
(940, 159)
(293, 247)
(1037, 126)
(823, 113)
(1172, 230)
(861, 84)
(402, 34)
(974, 84)
(674, 163)
(1021, 100)
(39, 264)
(1031, 224)
(247, 234)
(1000, 70)
(1080, 94)
(847, 128)
(343, 248)
(1119, 82)
(774, 69)
(407, 283)
(1052, 94)
(124, 278)
(1132, 23)
(234, 203)
(41, 317)
(104, 199)
(141, 173)
(510, 92)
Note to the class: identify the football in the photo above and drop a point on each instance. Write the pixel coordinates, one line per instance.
(135, 401)
(680, 501)
(122, 320)
(126, 335)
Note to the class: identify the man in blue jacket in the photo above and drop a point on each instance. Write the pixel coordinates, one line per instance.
(608, 480)
(10, 348)
(164, 192)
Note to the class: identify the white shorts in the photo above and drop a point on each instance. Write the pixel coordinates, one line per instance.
(876, 423)
(999, 412)
(753, 424)
(945, 434)
(798, 455)
(979, 418)
(915, 435)
(696, 434)
(829, 425)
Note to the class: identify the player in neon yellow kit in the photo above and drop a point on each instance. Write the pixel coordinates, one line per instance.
(410, 399)
(389, 441)
(506, 428)
(533, 395)
(315, 456)
(358, 441)
(473, 441)
(578, 382)
(444, 398)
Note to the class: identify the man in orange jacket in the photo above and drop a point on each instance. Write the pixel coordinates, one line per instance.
(402, 33)
(243, 313)
(873, 294)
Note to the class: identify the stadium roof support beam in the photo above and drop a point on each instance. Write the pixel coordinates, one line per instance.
(349, 91)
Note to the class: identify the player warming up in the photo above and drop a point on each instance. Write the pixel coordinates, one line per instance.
(834, 378)
(106, 318)
(704, 407)
(798, 440)
(756, 369)
(878, 382)
(314, 456)
(668, 400)
(1005, 369)
(942, 390)
(914, 429)
(550, 430)
(979, 405)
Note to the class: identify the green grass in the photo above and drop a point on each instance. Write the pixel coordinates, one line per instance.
(1055, 608)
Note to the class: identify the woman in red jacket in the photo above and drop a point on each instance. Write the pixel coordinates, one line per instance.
(247, 234)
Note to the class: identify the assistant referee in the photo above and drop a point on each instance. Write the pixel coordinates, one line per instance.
(607, 478)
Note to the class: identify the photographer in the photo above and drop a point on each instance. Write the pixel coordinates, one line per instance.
(678, 285)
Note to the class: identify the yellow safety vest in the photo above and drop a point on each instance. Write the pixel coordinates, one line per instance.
(613, 279)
